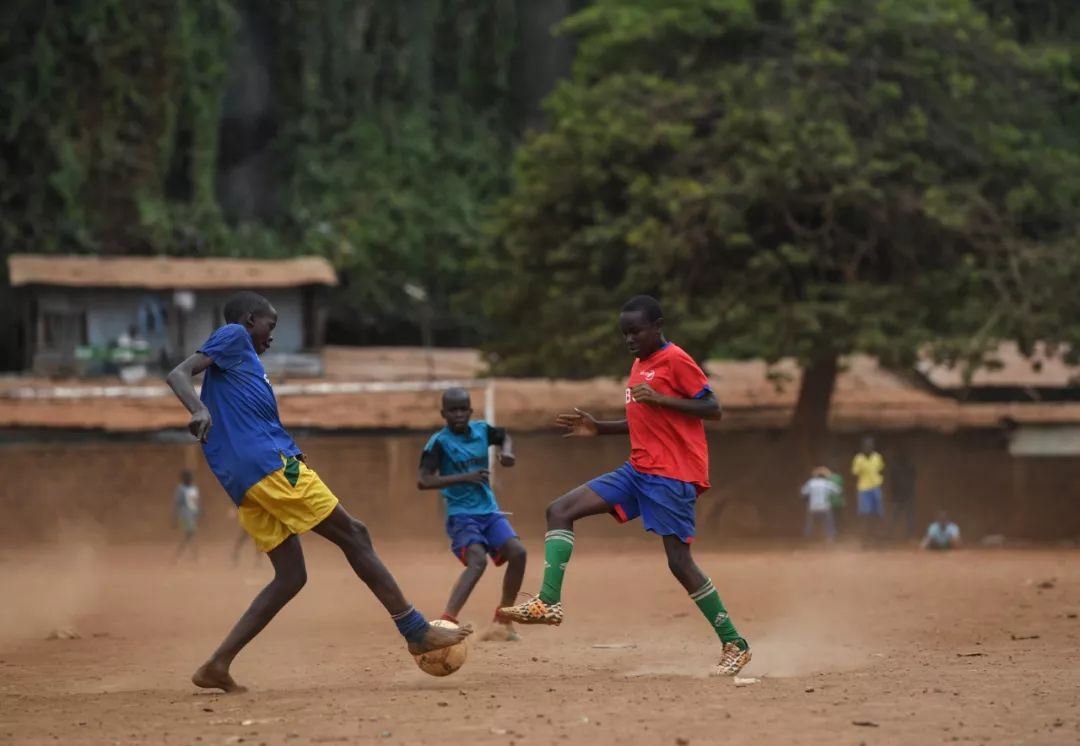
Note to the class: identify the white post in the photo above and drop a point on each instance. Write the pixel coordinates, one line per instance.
(489, 417)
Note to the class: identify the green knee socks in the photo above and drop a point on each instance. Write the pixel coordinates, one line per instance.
(708, 600)
(558, 546)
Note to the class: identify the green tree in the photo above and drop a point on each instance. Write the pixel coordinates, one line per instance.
(805, 178)
(383, 131)
(397, 135)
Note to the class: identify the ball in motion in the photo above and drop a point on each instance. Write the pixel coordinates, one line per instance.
(444, 661)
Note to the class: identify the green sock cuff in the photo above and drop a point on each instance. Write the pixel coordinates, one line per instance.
(703, 591)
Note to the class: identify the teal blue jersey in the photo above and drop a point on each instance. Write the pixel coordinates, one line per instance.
(448, 453)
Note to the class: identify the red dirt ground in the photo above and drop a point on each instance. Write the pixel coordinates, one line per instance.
(925, 648)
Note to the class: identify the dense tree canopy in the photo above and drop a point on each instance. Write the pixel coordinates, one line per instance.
(799, 179)
(374, 132)
(793, 177)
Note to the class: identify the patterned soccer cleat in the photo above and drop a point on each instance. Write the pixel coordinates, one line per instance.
(533, 611)
(732, 660)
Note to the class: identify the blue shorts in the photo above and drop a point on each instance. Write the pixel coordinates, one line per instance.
(666, 505)
(490, 530)
(871, 502)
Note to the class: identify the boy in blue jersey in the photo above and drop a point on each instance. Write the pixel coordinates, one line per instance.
(455, 462)
(277, 494)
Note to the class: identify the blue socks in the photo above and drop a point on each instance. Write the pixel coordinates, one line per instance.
(411, 624)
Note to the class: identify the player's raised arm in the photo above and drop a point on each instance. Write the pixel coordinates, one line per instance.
(506, 450)
(583, 425)
(179, 381)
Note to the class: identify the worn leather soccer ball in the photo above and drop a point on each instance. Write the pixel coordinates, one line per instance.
(444, 661)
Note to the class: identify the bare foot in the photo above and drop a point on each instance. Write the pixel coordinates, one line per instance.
(211, 675)
(500, 632)
(440, 637)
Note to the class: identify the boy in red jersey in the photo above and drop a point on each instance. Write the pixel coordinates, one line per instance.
(667, 398)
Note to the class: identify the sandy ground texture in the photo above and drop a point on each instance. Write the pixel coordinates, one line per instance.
(849, 647)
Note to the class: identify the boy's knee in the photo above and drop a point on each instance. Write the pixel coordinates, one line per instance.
(292, 579)
(514, 554)
(559, 509)
(552, 510)
(476, 559)
(680, 562)
(359, 533)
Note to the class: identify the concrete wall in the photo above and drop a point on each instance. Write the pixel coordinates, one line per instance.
(123, 490)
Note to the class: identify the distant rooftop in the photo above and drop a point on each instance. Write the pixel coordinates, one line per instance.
(165, 273)
(1008, 368)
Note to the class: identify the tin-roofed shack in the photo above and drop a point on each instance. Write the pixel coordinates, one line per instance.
(87, 315)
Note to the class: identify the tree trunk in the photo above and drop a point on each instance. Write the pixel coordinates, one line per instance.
(542, 58)
(810, 422)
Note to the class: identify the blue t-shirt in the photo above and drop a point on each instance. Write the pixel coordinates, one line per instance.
(247, 440)
(448, 453)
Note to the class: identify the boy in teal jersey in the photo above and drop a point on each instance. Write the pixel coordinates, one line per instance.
(455, 462)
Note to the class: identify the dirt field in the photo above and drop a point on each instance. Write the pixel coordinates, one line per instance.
(851, 647)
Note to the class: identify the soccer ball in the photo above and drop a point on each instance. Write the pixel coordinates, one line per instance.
(444, 661)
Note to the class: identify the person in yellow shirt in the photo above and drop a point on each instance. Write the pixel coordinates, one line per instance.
(869, 471)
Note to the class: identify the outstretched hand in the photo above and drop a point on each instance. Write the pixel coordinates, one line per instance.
(580, 424)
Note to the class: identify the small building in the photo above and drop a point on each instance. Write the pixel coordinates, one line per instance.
(81, 312)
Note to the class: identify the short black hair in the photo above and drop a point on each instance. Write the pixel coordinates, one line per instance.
(646, 304)
(243, 303)
(456, 393)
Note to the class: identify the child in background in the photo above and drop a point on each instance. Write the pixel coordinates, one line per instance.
(818, 491)
(868, 467)
(942, 534)
(187, 509)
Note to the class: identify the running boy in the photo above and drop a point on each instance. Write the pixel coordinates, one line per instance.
(667, 397)
(455, 462)
(278, 495)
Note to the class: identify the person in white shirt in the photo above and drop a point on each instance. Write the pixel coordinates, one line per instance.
(187, 510)
(942, 534)
(818, 492)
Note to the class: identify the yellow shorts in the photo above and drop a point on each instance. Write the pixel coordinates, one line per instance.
(289, 501)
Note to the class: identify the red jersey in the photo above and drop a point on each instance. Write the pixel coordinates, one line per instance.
(663, 441)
